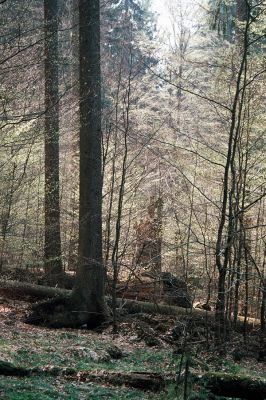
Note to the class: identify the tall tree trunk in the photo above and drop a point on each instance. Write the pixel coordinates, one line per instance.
(52, 245)
(85, 304)
(242, 10)
(88, 292)
(263, 300)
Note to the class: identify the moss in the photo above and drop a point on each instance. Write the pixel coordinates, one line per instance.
(48, 389)
(39, 348)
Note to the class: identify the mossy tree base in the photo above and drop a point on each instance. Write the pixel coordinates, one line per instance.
(9, 369)
(62, 312)
(14, 289)
(234, 386)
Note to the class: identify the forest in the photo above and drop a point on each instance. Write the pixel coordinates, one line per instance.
(132, 199)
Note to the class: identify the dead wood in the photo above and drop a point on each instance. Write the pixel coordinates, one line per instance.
(8, 369)
(149, 381)
(233, 386)
(139, 380)
(22, 290)
(219, 384)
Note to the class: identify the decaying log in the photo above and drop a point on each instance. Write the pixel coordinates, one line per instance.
(16, 289)
(163, 287)
(149, 381)
(219, 384)
(233, 386)
(8, 369)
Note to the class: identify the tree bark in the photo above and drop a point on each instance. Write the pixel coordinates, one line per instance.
(147, 381)
(88, 292)
(19, 290)
(242, 10)
(52, 241)
(226, 228)
(263, 306)
(220, 384)
(86, 305)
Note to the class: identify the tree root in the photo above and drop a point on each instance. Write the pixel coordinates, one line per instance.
(138, 380)
(219, 384)
(16, 289)
(62, 312)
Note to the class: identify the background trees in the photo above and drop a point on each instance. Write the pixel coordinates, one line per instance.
(182, 123)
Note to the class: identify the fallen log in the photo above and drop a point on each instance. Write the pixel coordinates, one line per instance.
(16, 289)
(146, 381)
(9, 369)
(233, 386)
(149, 381)
(219, 384)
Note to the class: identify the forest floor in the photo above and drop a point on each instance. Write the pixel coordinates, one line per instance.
(145, 344)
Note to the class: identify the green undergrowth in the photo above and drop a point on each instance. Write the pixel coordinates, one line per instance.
(46, 349)
(74, 351)
(230, 367)
(47, 389)
(31, 347)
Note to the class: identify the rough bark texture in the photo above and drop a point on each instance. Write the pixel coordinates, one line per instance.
(86, 304)
(139, 380)
(16, 289)
(88, 292)
(52, 245)
(241, 10)
(263, 307)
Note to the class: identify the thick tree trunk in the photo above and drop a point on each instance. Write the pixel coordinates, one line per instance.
(88, 292)
(242, 10)
(21, 290)
(17, 290)
(52, 245)
(86, 305)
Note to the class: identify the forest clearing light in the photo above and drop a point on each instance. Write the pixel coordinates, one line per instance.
(170, 12)
(161, 8)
